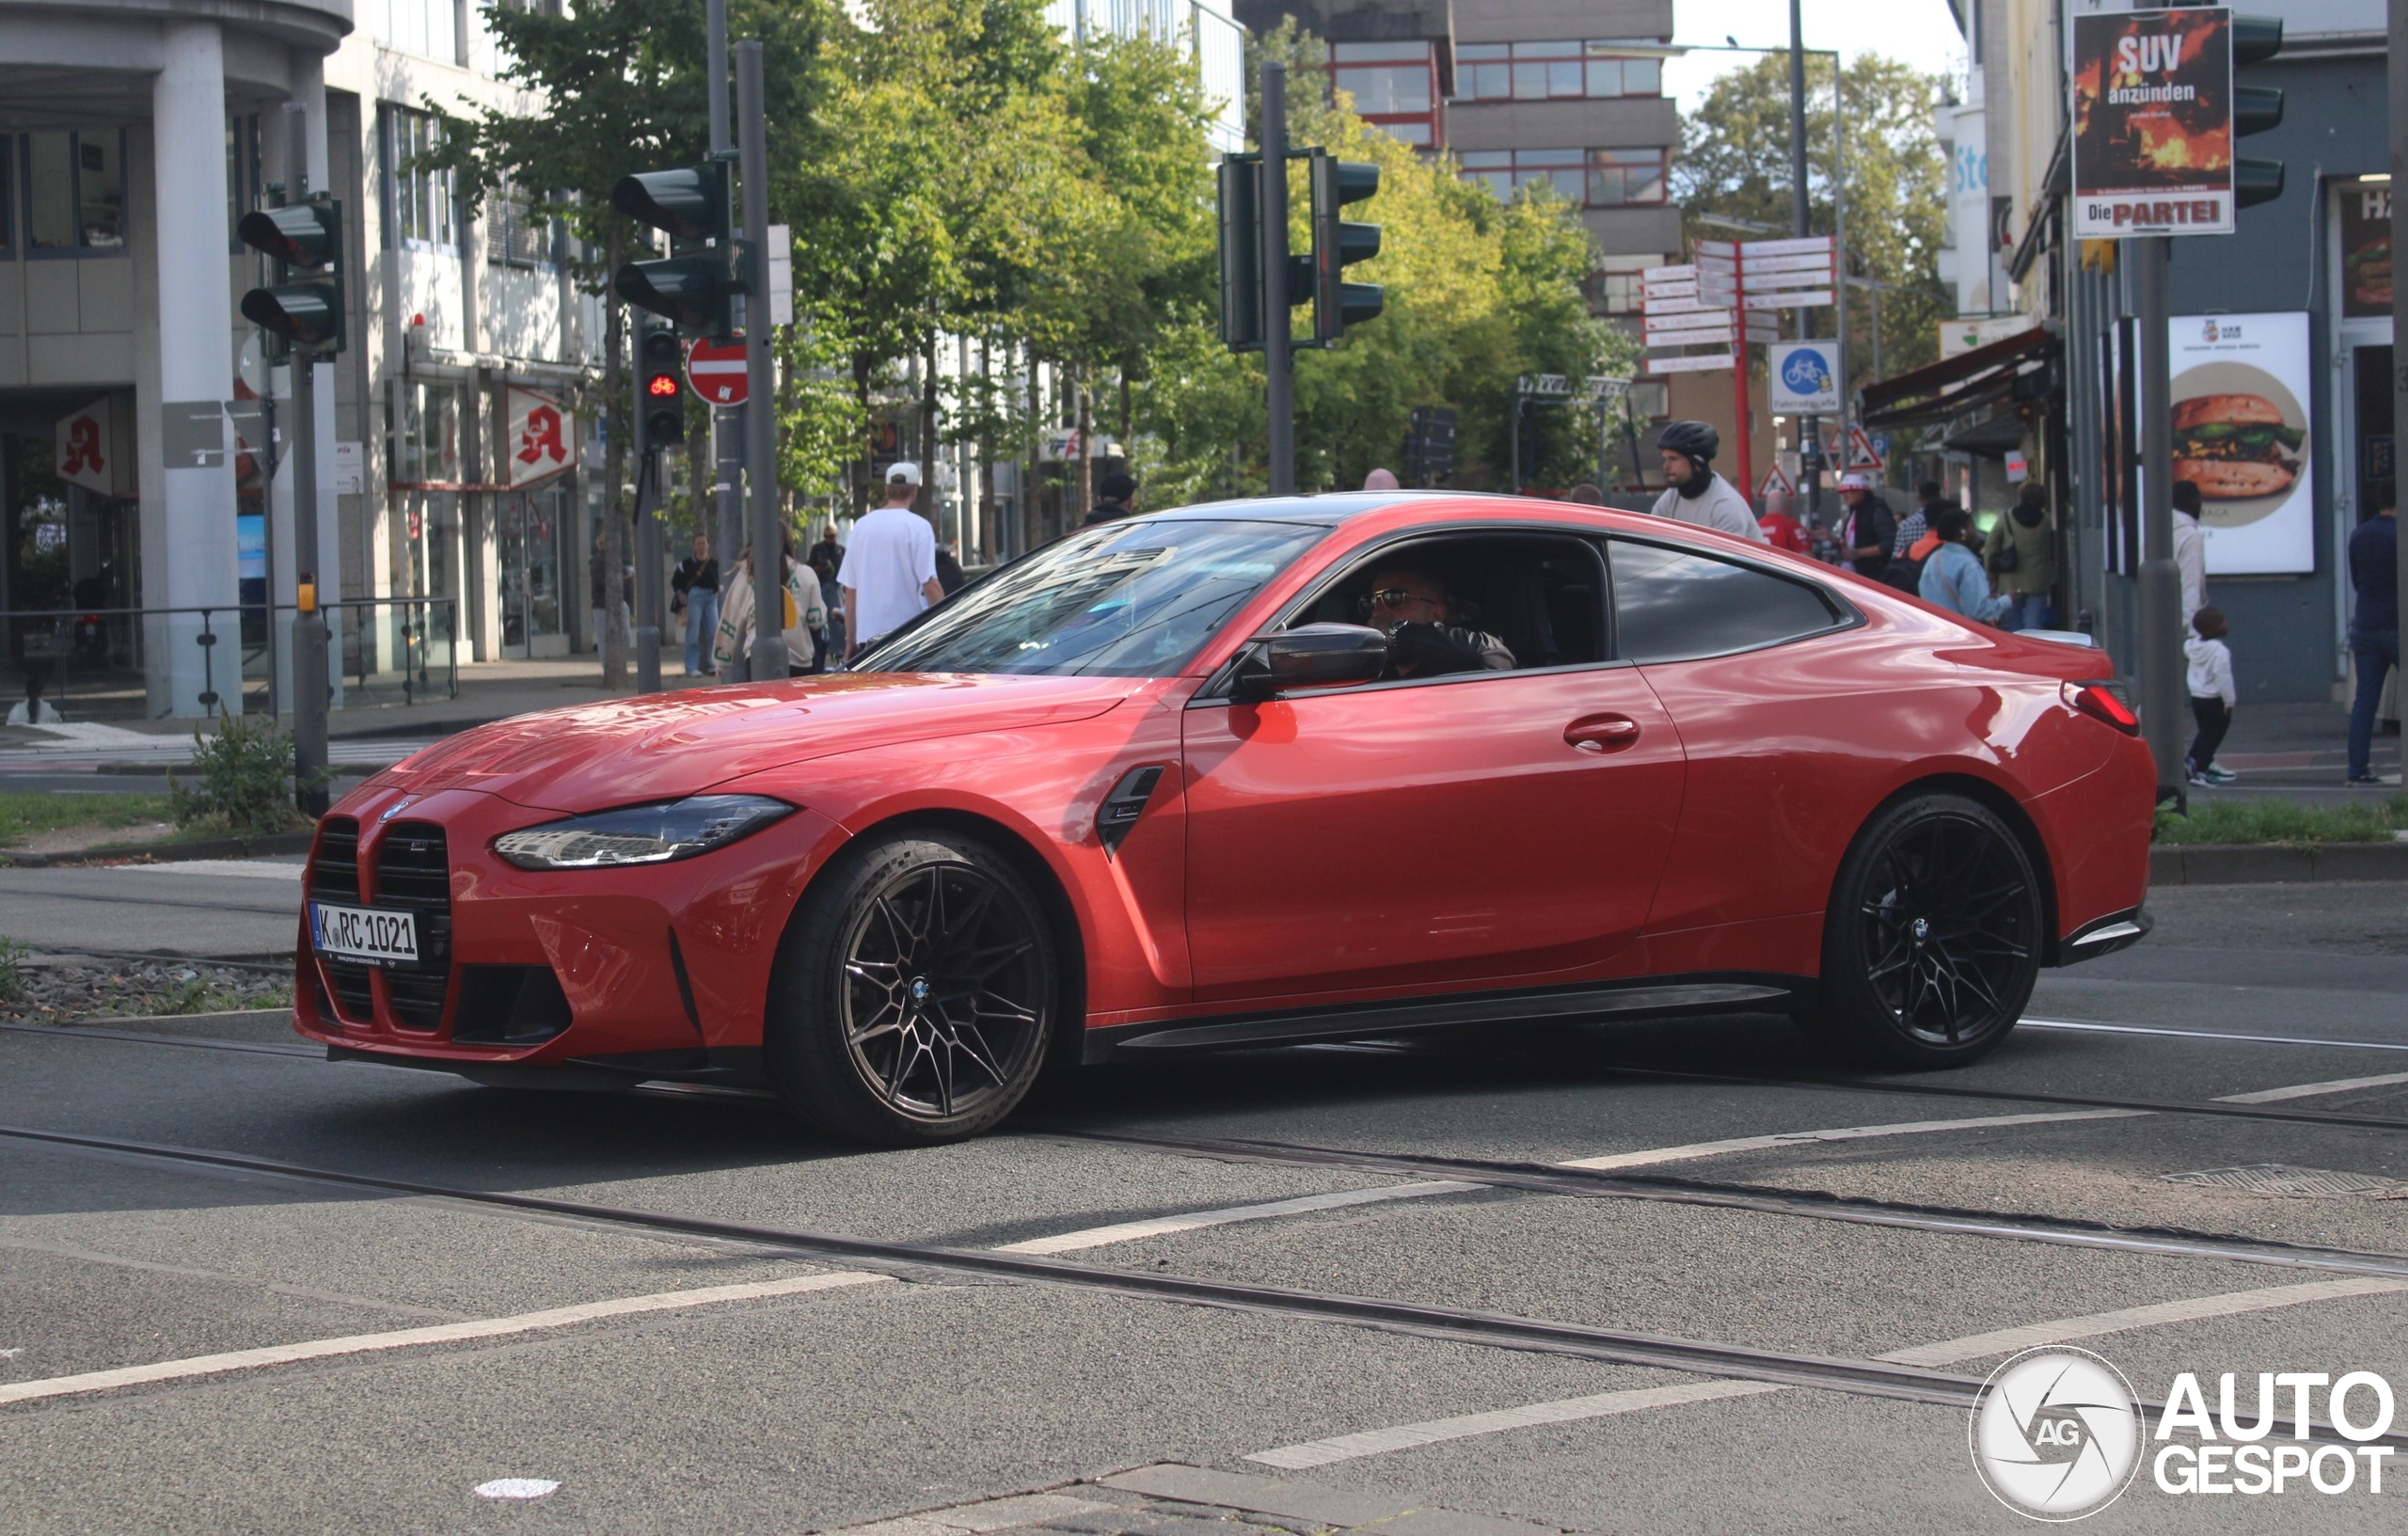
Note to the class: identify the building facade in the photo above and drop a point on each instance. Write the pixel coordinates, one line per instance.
(2309, 272)
(141, 472)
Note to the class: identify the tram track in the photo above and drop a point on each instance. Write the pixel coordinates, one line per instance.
(1508, 1175)
(1860, 1378)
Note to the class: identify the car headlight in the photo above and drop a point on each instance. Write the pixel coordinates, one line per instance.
(641, 834)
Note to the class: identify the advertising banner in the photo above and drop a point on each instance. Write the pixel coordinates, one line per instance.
(2241, 432)
(2366, 248)
(1805, 377)
(2152, 123)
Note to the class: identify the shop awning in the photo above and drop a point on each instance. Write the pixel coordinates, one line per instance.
(1995, 439)
(1957, 386)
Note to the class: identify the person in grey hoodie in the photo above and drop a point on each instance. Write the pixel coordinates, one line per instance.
(1699, 495)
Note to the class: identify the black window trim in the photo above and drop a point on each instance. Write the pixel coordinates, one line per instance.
(1215, 691)
(1847, 614)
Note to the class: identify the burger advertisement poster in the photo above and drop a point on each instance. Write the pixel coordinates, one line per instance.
(2241, 432)
(2152, 123)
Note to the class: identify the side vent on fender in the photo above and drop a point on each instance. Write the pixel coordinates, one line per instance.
(1126, 802)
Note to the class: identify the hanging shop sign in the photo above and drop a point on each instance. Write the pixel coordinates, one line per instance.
(88, 449)
(2241, 432)
(2152, 123)
(543, 438)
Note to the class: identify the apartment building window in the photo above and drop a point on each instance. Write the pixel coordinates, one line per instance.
(1596, 177)
(514, 235)
(1395, 87)
(1554, 72)
(421, 198)
(428, 29)
(74, 183)
(1618, 178)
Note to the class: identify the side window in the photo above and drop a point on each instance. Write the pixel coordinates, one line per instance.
(1670, 603)
(1539, 597)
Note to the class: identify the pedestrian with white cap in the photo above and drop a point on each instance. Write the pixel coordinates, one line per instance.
(890, 571)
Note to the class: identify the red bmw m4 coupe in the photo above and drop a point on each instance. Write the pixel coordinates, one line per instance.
(1256, 772)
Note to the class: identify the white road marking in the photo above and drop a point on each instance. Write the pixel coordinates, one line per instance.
(1852, 1132)
(2309, 1090)
(2085, 1028)
(241, 868)
(2231, 1304)
(1346, 1448)
(517, 1488)
(1100, 1237)
(441, 1333)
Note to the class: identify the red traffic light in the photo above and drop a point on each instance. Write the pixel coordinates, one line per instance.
(661, 386)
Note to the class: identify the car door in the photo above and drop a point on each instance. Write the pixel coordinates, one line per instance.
(1493, 826)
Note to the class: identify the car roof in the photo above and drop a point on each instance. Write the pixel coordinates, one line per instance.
(1332, 508)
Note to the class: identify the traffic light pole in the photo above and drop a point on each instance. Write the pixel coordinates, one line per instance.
(760, 431)
(647, 562)
(727, 441)
(1278, 354)
(308, 622)
(2162, 617)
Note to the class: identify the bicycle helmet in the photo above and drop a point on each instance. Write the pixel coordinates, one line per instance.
(1692, 439)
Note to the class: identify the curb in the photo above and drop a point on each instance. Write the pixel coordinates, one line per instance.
(186, 768)
(169, 853)
(2260, 863)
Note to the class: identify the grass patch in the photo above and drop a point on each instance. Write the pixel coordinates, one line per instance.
(2284, 821)
(23, 814)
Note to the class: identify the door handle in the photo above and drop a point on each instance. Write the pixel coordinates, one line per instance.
(1603, 733)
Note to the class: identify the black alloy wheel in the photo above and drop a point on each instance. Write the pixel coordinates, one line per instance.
(1934, 937)
(914, 993)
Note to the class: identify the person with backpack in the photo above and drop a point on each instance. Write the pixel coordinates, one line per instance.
(2022, 559)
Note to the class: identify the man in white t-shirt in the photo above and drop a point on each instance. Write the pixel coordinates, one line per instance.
(890, 570)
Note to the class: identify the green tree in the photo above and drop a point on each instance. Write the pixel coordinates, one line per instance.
(620, 87)
(1477, 293)
(1735, 161)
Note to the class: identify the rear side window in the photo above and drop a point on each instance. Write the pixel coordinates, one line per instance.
(1670, 604)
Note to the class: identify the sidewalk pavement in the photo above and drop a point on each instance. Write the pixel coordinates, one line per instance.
(373, 729)
(2297, 751)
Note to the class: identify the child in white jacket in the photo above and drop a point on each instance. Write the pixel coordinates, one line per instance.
(2211, 695)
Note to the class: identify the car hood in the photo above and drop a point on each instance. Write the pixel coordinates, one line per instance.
(626, 752)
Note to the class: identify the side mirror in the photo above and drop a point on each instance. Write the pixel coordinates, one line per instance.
(1311, 655)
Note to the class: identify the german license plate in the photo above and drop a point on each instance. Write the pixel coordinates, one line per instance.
(364, 933)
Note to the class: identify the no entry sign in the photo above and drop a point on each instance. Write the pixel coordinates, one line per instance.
(716, 369)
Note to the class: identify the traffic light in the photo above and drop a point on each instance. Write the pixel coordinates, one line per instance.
(693, 285)
(2256, 109)
(1242, 252)
(303, 309)
(661, 371)
(1337, 244)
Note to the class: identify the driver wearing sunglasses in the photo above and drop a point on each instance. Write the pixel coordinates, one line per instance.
(1409, 605)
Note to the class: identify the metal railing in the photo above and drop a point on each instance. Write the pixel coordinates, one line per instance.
(96, 663)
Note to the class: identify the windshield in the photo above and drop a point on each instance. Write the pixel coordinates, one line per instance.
(1133, 599)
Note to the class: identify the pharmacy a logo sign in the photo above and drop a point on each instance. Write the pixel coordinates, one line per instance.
(2056, 1433)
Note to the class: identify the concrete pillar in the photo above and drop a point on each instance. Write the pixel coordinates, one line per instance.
(196, 369)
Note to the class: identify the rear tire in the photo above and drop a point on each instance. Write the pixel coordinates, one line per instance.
(1934, 936)
(914, 993)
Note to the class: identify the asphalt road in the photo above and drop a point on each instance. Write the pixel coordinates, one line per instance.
(221, 908)
(819, 1391)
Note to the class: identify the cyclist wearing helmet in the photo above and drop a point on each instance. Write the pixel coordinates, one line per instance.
(1699, 495)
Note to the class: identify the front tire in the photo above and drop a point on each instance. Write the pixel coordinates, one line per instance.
(914, 993)
(1933, 940)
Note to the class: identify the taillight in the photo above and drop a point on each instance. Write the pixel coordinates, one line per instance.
(2103, 702)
